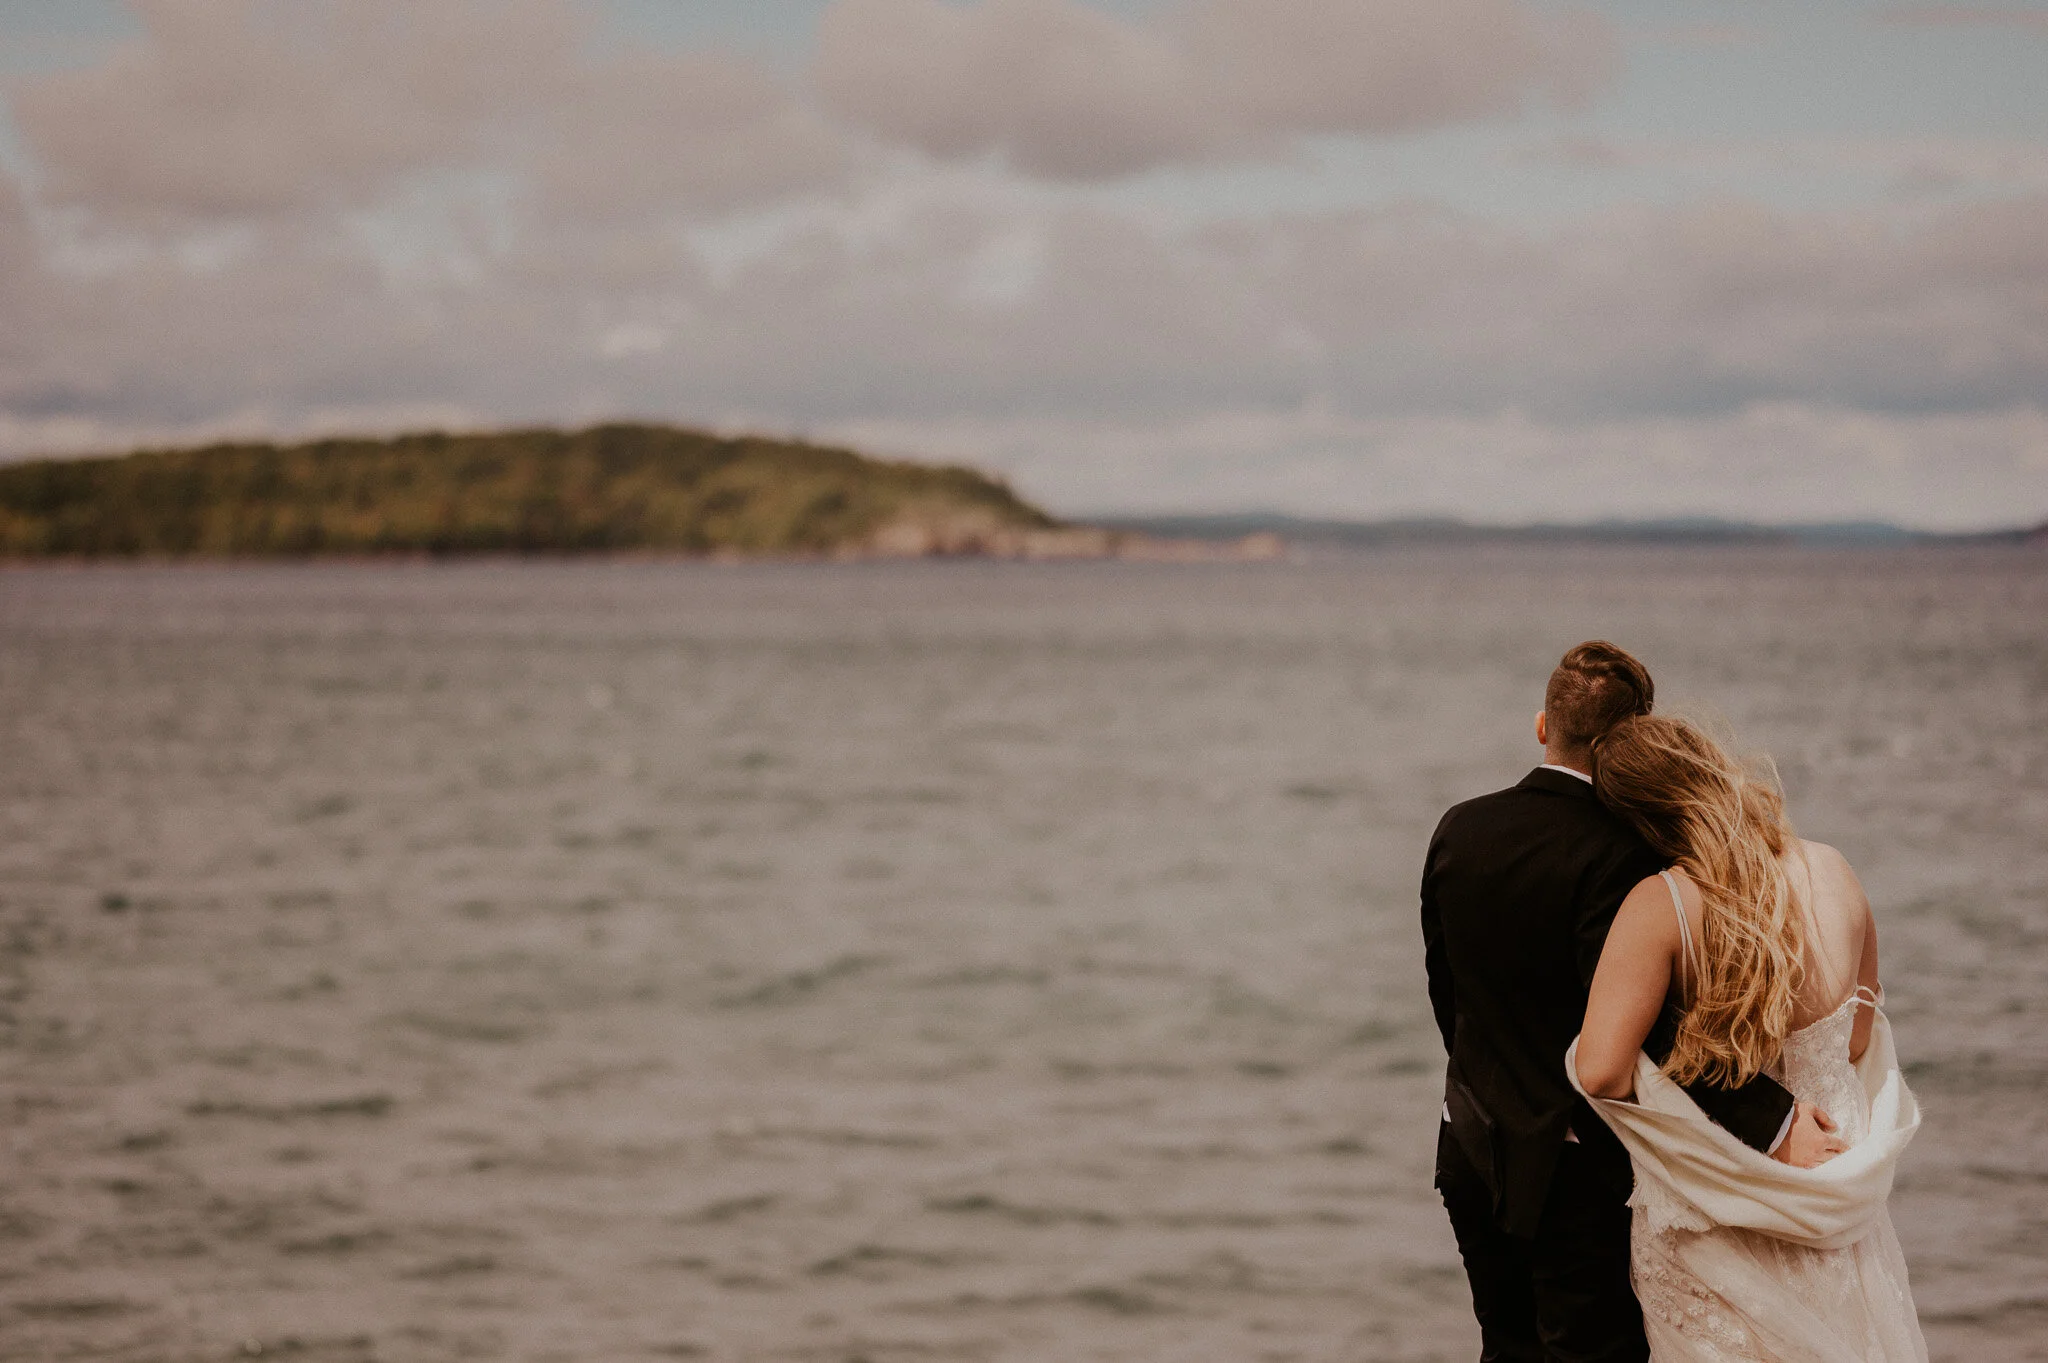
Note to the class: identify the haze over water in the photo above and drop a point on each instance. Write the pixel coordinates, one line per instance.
(561, 961)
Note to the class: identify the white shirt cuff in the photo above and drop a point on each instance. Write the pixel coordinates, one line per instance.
(1783, 1131)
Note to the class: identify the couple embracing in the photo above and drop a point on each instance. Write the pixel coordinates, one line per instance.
(1672, 1111)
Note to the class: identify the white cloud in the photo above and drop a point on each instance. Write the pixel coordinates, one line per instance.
(701, 131)
(688, 242)
(1967, 16)
(87, 434)
(242, 109)
(1782, 462)
(1062, 90)
(1911, 166)
(1433, 356)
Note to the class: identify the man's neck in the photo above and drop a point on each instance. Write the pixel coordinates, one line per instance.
(1557, 762)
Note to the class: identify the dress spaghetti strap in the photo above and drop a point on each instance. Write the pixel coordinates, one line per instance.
(1689, 966)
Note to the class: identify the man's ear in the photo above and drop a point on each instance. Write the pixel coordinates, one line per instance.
(1542, 729)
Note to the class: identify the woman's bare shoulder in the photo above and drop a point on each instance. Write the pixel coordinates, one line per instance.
(1654, 888)
(1832, 873)
(1823, 856)
(1644, 926)
(1838, 896)
(1649, 906)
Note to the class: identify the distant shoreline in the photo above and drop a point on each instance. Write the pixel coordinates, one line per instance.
(1644, 533)
(663, 492)
(612, 490)
(1164, 554)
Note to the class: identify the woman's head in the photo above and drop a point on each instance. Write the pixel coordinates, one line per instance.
(1723, 823)
(1676, 784)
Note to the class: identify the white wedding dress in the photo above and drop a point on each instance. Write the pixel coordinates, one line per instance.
(1740, 1259)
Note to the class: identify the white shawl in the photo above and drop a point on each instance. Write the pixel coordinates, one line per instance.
(1731, 1280)
(1701, 1167)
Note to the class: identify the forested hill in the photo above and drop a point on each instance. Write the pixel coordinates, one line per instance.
(608, 488)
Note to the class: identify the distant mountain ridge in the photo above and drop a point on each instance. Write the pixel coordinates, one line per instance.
(1423, 530)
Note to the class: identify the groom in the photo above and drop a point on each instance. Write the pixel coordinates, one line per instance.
(1518, 892)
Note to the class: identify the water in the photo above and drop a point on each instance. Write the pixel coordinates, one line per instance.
(892, 963)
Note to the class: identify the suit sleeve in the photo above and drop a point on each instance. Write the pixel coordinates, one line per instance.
(1755, 1113)
(1435, 957)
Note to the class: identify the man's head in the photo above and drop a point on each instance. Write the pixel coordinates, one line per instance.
(1595, 687)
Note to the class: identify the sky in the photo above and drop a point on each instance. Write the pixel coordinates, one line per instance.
(1509, 260)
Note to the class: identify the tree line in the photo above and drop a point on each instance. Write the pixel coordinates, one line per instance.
(607, 488)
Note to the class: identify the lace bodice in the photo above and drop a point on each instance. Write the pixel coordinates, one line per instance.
(1815, 1067)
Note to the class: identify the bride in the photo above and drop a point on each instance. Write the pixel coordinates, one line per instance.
(1764, 945)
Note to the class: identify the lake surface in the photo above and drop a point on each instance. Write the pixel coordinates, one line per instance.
(567, 961)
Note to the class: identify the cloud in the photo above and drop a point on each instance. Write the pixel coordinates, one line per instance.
(1702, 307)
(1698, 308)
(1971, 16)
(1705, 35)
(1414, 340)
(1908, 165)
(584, 234)
(89, 434)
(1783, 462)
(252, 109)
(704, 131)
(1061, 90)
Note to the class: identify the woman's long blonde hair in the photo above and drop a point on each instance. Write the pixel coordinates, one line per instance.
(1722, 822)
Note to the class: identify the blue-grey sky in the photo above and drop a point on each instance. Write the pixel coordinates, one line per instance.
(1504, 259)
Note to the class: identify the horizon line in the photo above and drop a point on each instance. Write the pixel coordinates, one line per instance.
(1699, 524)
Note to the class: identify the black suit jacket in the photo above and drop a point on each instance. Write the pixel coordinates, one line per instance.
(1518, 893)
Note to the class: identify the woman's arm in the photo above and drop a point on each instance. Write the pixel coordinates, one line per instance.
(1628, 993)
(1866, 974)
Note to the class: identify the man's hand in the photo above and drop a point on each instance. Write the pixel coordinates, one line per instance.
(1813, 1139)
